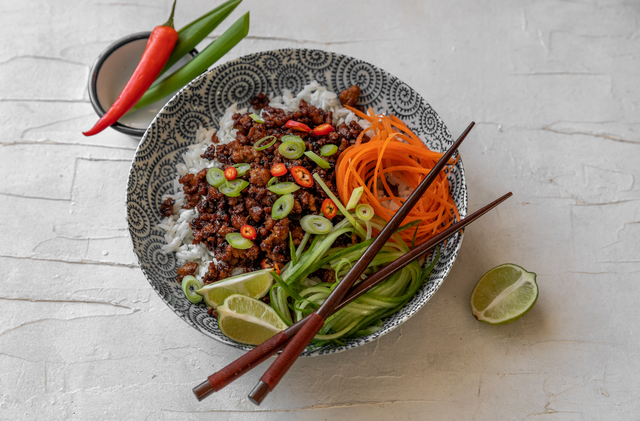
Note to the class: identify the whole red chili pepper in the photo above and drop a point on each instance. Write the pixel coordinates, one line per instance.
(156, 54)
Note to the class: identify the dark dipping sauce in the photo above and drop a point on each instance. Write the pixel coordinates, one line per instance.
(219, 215)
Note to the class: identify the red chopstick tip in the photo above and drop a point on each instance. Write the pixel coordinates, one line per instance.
(259, 392)
(203, 390)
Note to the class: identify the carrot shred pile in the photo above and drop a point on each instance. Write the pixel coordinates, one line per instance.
(395, 150)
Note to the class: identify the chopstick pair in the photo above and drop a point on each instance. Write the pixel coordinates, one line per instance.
(297, 337)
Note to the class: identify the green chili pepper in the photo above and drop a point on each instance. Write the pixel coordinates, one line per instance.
(199, 64)
(192, 34)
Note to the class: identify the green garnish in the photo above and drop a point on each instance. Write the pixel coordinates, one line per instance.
(260, 144)
(233, 188)
(215, 177)
(315, 224)
(291, 149)
(355, 197)
(315, 158)
(364, 211)
(237, 241)
(328, 150)
(190, 285)
(282, 207)
(242, 169)
(284, 187)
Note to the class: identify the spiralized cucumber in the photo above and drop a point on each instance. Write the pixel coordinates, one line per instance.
(292, 297)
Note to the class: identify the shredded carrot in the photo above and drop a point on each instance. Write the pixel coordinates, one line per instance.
(394, 150)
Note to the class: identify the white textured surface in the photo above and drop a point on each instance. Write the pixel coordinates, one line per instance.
(554, 87)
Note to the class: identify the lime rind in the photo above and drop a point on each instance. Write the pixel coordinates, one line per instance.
(247, 320)
(500, 297)
(253, 284)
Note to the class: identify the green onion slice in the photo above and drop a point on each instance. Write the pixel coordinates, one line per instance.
(242, 169)
(256, 118)
(291, 149)
(291, 138)
(355, 197)
(292, 251)
(316, 224)
(233, 188)
(364, 211)
(260, 144)
(315, 158)
(282, 207)
(284, 187)
(237, 241)
(328, 150)
(409, 225)
(190, 285)
(215, 177)
(272, 181)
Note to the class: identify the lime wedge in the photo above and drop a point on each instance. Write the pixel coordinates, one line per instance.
(253, 284)
(504, 294)
(247, 320)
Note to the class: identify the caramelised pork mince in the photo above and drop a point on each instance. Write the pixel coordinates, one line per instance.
(219, 215)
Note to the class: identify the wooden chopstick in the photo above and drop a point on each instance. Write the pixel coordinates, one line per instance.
(261, 353)
(299, 342)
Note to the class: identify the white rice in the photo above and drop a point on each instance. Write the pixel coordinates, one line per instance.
(177, 229)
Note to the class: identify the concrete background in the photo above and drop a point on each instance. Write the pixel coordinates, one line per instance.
(554, 87)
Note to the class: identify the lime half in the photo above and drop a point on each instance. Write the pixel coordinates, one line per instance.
(247, 320)
(253, 284)
(504, 294)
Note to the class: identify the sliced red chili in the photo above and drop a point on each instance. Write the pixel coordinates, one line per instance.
(302, 176)
(248, 232)
(297, 126)
(278, 170)
(323, 129)
(266, 265)
(329, 209)
(230, 173)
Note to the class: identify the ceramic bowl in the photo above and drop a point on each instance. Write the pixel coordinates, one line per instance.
(110, 73)
(203, 102)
